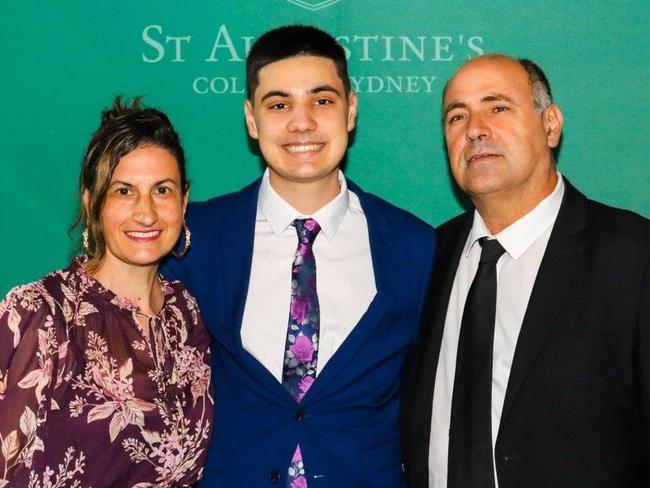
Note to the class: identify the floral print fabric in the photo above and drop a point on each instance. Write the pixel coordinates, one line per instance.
(87, 400)
(301, 349)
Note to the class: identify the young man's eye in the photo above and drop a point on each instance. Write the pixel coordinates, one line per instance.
(278, 106)
(163, 190)
(455, 118)
(323, 101)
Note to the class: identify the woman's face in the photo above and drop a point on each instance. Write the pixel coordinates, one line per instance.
(143, 211)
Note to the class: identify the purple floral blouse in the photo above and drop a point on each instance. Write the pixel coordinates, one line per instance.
(86, 400)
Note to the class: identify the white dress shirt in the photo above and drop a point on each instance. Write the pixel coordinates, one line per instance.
(345, 280)
(525, 243)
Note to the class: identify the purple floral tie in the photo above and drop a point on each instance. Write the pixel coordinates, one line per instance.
(301, 348)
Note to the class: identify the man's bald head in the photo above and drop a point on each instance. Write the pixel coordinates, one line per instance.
(541, 89)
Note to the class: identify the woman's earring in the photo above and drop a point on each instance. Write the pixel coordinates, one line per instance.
(84, 235)
(188, 242)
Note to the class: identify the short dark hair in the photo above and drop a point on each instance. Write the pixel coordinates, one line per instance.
(123, 128)
(290, 41)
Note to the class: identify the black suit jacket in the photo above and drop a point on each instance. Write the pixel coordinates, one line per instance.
(577, 406)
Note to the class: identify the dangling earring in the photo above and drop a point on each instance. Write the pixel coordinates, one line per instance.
(84, 235)
(188, 242)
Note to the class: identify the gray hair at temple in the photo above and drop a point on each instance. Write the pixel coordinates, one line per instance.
(542, 95)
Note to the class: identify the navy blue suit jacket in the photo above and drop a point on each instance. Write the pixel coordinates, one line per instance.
(347, 424)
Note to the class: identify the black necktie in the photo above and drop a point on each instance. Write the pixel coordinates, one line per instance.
(470, 431)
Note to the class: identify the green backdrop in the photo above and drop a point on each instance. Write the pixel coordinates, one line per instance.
(65, 61)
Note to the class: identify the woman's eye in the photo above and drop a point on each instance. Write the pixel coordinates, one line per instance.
(123, 191)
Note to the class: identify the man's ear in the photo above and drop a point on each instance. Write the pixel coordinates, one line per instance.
(553, 121)
(250, 120)
(352, 110)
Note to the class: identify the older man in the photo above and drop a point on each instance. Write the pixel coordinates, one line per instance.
(533, 368)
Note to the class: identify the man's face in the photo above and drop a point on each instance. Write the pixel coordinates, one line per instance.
(497, 144)
(301, 117)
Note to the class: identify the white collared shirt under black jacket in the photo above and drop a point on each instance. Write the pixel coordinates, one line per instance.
(525, 242)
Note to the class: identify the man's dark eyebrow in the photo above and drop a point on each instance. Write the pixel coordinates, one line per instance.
(274, 93)
(325, 88)
(486, 98)
(454, 105)
(318, 89)
(496, 98)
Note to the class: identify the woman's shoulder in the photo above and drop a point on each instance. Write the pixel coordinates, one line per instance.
(33, 296)
(30, 314)
(45, 296)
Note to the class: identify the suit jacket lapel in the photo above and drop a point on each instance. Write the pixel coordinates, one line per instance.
(554, 277)
(451, 240)
(237, 240)
(236, 252)
(379, 234)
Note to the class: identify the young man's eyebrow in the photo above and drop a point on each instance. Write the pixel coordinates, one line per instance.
(325, 88)
(274, 93)
(317, 89)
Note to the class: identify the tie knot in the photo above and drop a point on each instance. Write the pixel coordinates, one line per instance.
(307, 230)
(491, 250)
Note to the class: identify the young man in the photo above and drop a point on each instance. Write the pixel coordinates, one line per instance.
(534, 364)
(311, 288)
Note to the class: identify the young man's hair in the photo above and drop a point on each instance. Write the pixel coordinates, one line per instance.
(290, 41)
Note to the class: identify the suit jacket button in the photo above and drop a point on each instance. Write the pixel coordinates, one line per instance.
(274, 476)
(299, 415)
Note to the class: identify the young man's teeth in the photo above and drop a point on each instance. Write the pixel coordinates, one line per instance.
(304, 148)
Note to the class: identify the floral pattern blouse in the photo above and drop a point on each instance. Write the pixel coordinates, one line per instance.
(87, 400)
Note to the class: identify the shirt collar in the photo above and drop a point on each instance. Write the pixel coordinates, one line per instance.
(280, 215)
(520, 235)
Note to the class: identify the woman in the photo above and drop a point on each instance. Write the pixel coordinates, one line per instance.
(104, 366)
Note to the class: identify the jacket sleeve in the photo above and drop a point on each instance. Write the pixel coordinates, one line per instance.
(643, 357)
